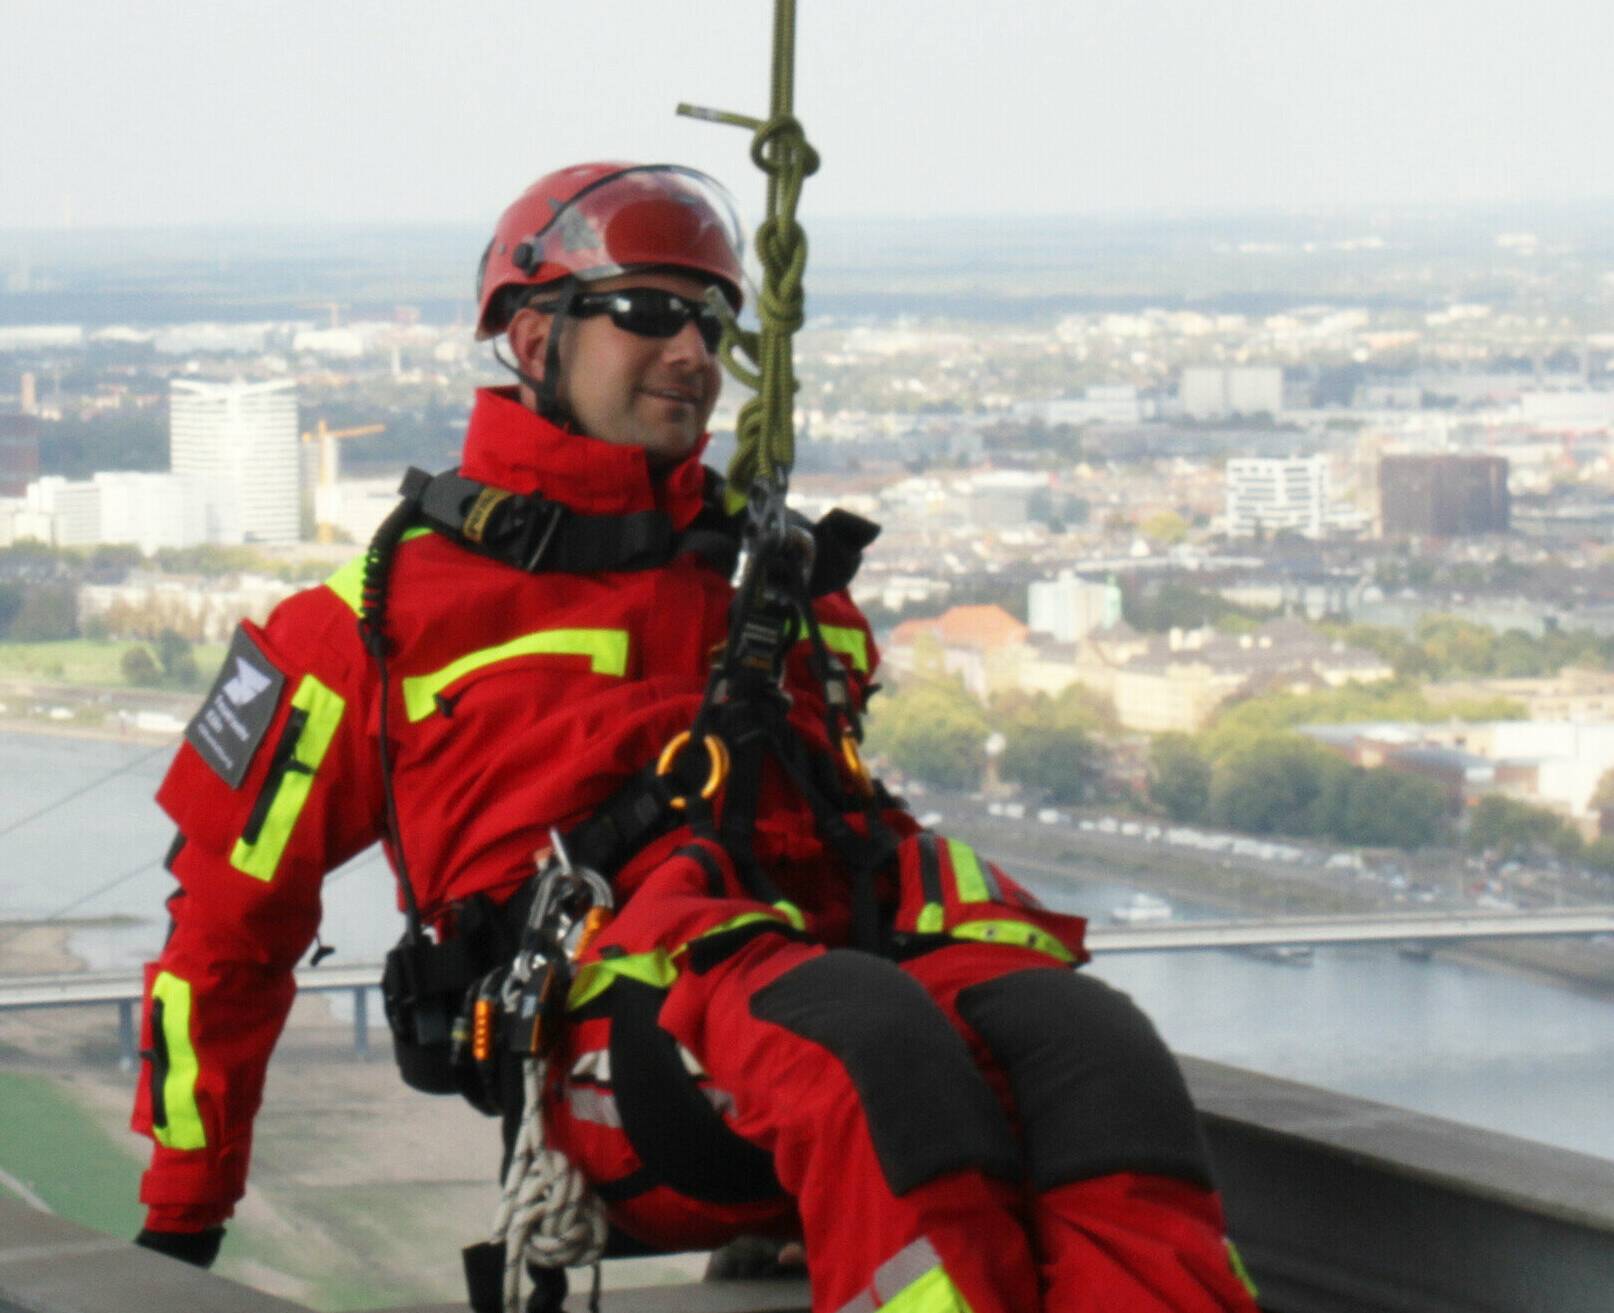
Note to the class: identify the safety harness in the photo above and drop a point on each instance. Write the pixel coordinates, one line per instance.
(448, 1000)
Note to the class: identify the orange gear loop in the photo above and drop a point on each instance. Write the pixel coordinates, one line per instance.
(716, 752)
(854, 763)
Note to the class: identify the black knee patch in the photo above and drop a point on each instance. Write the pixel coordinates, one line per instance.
(1096, 1089)
(681, 1139)
(929, 1110)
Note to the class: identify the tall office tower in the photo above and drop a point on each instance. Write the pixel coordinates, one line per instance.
(1444, 495)
(239, 442)
(1267, 495)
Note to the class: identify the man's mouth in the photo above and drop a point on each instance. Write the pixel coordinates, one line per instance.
(676, 395)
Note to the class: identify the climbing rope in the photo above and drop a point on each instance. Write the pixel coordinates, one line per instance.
(547, 1214)
(765, 431)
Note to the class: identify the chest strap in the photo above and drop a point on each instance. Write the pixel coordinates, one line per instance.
(534, 533)
(538, 535)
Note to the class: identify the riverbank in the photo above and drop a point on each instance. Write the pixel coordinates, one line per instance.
(1244, 888)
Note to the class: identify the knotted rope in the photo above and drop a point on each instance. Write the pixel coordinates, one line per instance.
(547, 1214)
(765, 432)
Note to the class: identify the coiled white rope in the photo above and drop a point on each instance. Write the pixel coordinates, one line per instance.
(547, 1214)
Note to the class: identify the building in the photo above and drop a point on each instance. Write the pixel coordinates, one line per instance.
(1547, 763)
(1217, 391)
(1176, 681)
(1070, 607)
(1267, 495)
(19, 453)
(119, 506)
(1443, 496)
(983, 647)
(239, 442)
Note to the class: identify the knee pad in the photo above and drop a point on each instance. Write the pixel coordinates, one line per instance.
(1096, 1089)
(929, 1110)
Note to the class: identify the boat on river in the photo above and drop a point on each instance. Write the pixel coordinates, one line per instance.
(1143, 909)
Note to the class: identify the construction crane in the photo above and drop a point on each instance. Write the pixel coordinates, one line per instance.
(325, 505)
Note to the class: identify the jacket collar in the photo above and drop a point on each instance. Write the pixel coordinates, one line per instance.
(509, 446)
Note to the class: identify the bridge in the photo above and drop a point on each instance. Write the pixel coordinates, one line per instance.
(123, 989)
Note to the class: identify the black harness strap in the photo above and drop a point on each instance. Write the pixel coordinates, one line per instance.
(535, 533)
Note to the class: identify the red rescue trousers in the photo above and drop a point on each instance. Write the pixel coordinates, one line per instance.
(868, 1085)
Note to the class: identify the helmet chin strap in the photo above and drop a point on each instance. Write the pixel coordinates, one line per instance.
(546, 390)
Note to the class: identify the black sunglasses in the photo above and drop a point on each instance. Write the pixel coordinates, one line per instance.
(647, 312)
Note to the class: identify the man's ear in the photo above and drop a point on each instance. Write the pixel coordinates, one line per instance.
(528, 335)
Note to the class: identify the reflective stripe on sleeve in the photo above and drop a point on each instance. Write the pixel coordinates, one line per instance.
(348, 581)
(324, 708)
(853, 644)
(968, 877)
(182, 1128)
(606, 650)
(1017, 933)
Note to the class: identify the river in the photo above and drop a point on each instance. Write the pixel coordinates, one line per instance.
(1477, 1045)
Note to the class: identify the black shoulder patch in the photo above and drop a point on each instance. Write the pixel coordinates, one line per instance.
(236, 713)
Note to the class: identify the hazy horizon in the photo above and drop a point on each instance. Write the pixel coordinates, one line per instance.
(189, 113)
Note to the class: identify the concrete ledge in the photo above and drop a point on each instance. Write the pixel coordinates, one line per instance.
(48, 1265)
(1345, 1206)
(1339, 1206)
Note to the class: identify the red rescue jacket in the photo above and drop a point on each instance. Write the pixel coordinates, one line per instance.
(518, 702)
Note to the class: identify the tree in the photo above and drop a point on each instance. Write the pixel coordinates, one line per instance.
(1166, 528)
(1059, 760)
(934, 731)
(1179, 777)
(174, 655)
(140, 669)
(49, 612)
(11, 599)
(1516, 829)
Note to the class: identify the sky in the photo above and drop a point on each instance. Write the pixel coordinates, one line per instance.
(314, 111)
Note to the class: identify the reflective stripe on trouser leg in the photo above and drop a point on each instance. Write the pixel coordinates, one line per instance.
(911, 1281)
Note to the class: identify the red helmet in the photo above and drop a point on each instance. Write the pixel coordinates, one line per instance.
(599, 220)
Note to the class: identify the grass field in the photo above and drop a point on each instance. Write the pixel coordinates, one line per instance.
(50, 1144)
(89, 661)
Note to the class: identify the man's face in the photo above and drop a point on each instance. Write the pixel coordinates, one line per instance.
(655, 393)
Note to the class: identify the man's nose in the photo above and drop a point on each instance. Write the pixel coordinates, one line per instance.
(688, 344)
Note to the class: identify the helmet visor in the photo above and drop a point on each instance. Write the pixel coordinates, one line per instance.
(650, 215)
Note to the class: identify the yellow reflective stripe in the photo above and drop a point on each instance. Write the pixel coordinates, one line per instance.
(184, 1123)
(932, 919)
(348, 581)
(1017, 933)
(791, 913)
(594, 978)
(851, 643)
(749, 918)
(606, 649)
(932, 1293)
(967, 877)
(1236, 1262)
(324, 707)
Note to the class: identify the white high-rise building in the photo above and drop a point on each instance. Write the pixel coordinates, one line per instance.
(1220, 391)
(1070, 608)
(239, 442)
(1268, 495)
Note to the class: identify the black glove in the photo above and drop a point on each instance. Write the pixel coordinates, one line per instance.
(198, 1248)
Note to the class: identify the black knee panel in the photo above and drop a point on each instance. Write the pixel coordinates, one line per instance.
(929, 1110)
(1096, 1089)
